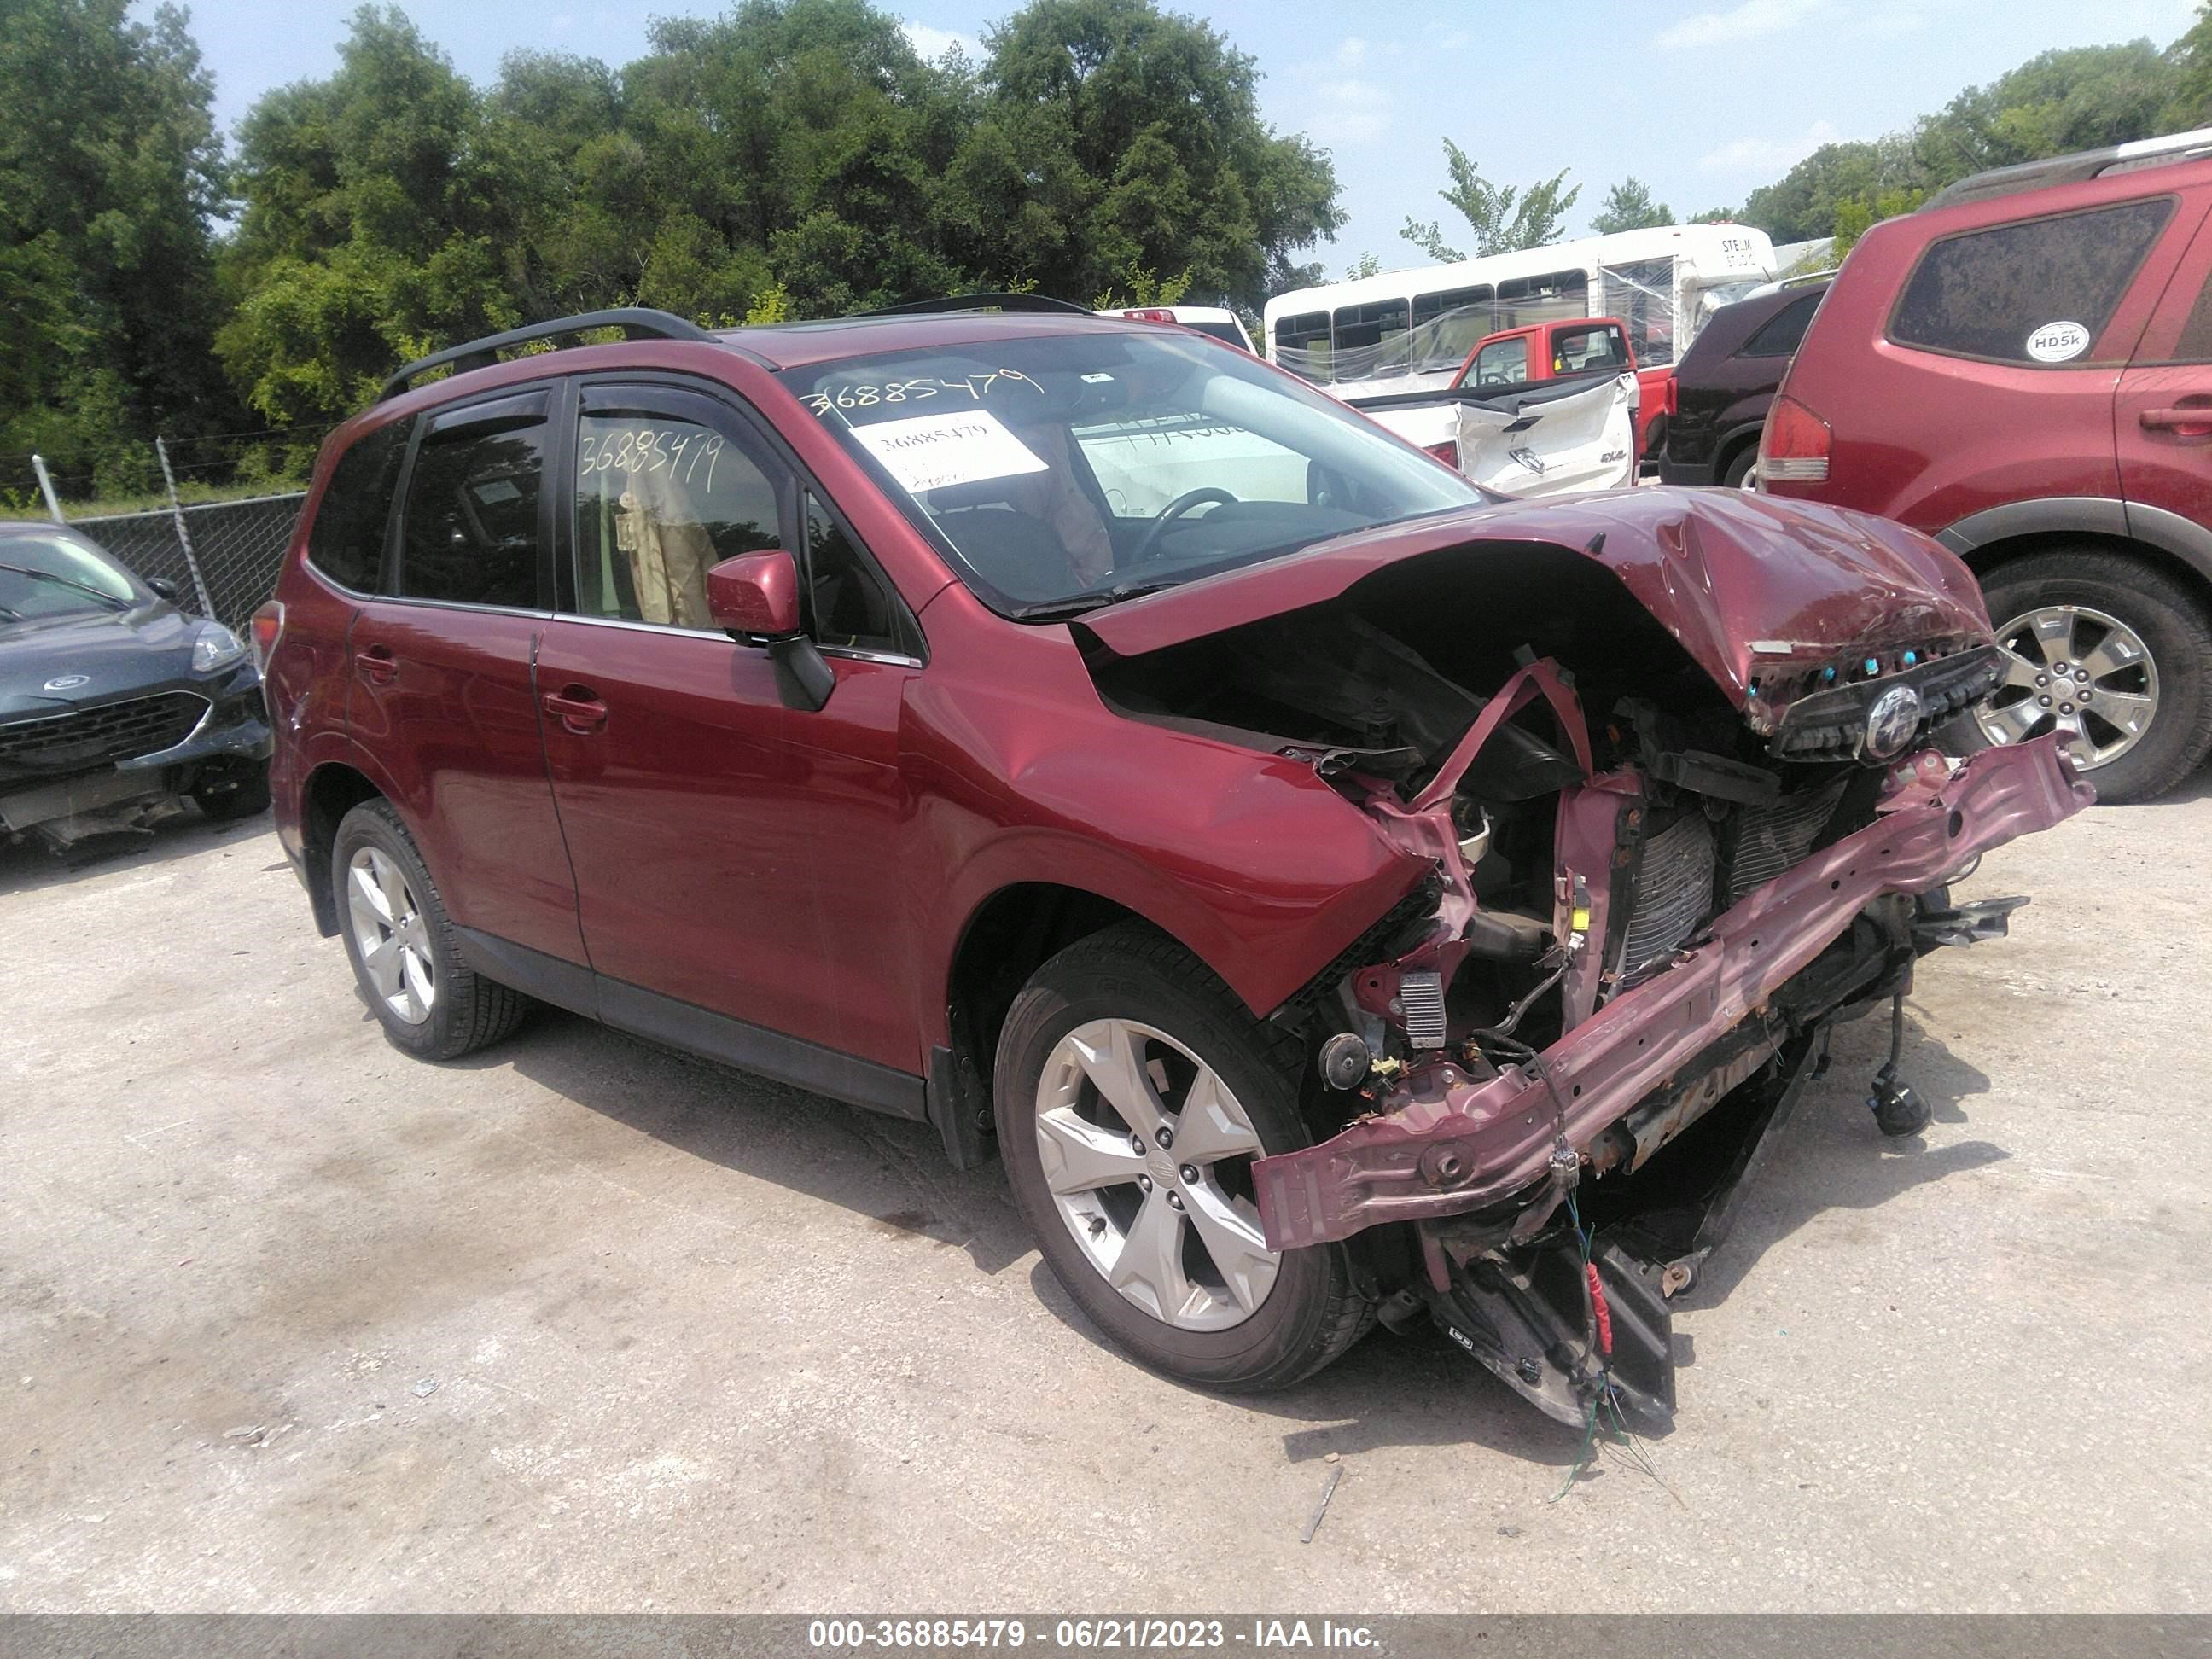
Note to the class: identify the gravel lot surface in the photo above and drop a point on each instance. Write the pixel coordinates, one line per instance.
(290, 1322)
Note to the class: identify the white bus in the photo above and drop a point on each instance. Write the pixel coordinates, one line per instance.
(1409, 330)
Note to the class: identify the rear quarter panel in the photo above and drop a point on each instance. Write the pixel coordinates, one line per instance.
(306, 683)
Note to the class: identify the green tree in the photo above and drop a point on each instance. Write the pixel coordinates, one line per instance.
(373, 229)
(1629, 206)
(1113, 137)
(1855, 215)
(2081, 98)
(112, 177)
(789, 158)
(1505, 219)
(1802, 204)
(2191, 60)
(1367, 264)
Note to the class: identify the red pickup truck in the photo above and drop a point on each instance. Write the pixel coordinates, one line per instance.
(1578, 345)
(1550, 409)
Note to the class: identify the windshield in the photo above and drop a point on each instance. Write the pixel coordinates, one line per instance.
(1073, 470)
(52, 573)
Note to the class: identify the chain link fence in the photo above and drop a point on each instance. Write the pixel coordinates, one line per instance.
(238, 546)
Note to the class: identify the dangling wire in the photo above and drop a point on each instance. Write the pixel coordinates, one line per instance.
(1619, 1433)
(1582, 1457)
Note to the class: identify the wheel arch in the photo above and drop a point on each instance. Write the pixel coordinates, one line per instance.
(2165, 541)
(333, 789)
(1006, 938)
(1733, 442)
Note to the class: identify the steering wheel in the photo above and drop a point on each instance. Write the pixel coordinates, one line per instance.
(1148, 548)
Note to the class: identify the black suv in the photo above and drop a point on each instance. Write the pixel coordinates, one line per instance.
(1725, 382)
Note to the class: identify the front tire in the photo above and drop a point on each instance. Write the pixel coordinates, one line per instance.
(406, 955)
(1133, 1094)
(2112, 654)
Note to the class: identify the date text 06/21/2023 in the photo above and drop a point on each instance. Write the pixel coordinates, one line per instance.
(1257, 1636)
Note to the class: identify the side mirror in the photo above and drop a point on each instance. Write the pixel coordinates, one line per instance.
(163, 588)
(754, 598)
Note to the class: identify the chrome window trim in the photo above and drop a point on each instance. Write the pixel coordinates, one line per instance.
(418, 602)
(855, 653)
(858, 654)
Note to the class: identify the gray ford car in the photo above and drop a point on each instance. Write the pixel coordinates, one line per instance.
(116, 706)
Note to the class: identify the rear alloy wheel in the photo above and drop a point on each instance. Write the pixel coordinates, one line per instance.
(1134, 1094)
(2111, 655)
(402, 943)
(1743, 471)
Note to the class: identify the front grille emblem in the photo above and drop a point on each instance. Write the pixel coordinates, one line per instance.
(1891, 721)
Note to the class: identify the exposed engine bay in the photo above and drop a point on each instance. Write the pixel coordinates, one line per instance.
(1648, 895)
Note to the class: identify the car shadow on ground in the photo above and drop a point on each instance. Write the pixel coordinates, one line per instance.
(27, 866)
(1390, 1390)
(890, 1170)
(1831, 1157)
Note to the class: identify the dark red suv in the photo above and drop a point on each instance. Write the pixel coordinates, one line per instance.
(2023, 369)
(1327, 885)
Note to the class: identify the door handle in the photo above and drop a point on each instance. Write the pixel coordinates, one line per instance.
(2187, 422)
(578, 708)
(377, 665)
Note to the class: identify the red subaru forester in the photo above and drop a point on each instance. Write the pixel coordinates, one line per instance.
(1326, 885)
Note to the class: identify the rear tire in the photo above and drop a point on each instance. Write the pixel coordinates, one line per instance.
(2078, 587)
(406, 955)
(1236, 1318)
(1736, 474)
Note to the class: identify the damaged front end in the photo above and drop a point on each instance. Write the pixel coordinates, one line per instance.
(1653, 880)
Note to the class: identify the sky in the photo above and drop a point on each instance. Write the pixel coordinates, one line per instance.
(1704, 102)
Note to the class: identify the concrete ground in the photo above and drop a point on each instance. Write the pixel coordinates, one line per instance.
(291, 1322)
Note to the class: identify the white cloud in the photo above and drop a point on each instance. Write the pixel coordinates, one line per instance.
(1745, 22)
(1351, 111)
(1890, 22)
(1456, 40)
(934, 43)
(1336, 104)
(1767, 155)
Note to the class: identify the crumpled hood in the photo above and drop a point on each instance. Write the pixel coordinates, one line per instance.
(1722, 570)
(146, 648)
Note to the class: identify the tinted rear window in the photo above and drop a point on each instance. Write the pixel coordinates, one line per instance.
(346, 543)
(1988, 293)
(1779, 335)
(469, 533)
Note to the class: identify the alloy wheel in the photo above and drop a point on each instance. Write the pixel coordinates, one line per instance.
(1148, 1158)
(2078, 671)
(391, 934)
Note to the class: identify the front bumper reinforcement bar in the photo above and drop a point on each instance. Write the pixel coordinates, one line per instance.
(1451, 1143)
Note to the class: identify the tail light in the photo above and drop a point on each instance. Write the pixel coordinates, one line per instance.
(1669, 404)
(1794, 447)
(1149, 314)
(1446, 452)
(266, 627)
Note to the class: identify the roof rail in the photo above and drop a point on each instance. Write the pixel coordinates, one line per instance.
(639, 322)
(2072, 169)
(981, 302)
